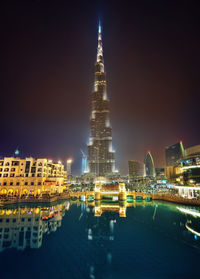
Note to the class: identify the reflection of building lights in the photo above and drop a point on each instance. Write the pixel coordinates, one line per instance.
(189, 211)
(191, 230)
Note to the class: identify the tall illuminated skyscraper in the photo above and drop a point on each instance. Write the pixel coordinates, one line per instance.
(149, 165)
(69, 167)
(174, 153)
(101, 157)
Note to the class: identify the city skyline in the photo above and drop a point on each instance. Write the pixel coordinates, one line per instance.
(48, 62)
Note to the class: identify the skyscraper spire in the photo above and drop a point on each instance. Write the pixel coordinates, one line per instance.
(100, 46)
(99, 26)
(101, 161)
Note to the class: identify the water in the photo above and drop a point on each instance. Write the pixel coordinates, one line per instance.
(67, 240)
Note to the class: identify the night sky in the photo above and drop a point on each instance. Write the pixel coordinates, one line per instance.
(152, 61)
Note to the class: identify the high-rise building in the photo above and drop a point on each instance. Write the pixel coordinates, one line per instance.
(135, 169)
(149, 165)
(69, 166)
(160, 172)
(189, 166)
(174, 153)
(101, 157)
(83, 163)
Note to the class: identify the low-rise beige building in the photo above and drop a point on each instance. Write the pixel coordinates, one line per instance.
(29, 176)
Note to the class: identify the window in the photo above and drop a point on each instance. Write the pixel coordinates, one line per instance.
(15, 163)
(12, 175)
(12, 169)
(5, 175)
(22, 219)
(33, 175)
(6, 169)
(5, 183)
(17, 183)
(11, 183)
(7, 164)
(1, 169)
(39, 169)
(14, 220)
(39, 183)
(26, 174)
(33, 169)
(32, 183)
(26, 183)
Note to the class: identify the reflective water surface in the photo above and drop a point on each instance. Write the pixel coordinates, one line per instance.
(78, 240)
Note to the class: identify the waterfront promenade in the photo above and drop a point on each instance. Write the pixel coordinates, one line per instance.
(71, 194)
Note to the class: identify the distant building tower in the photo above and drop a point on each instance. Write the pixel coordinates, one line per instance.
(16, 153)
(149, 165)
(135, 169)
(160, 172)
(69, 167)
(83, 163)
(174, 153)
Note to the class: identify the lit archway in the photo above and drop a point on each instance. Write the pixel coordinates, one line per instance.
(10, 192)
(3, 192)
(38, 192)
(25, 192)
(16, 192)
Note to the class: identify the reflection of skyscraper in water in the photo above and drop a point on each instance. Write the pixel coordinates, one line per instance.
(101, 236)
(24, 227)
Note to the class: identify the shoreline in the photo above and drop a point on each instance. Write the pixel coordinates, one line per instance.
(69, 195)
